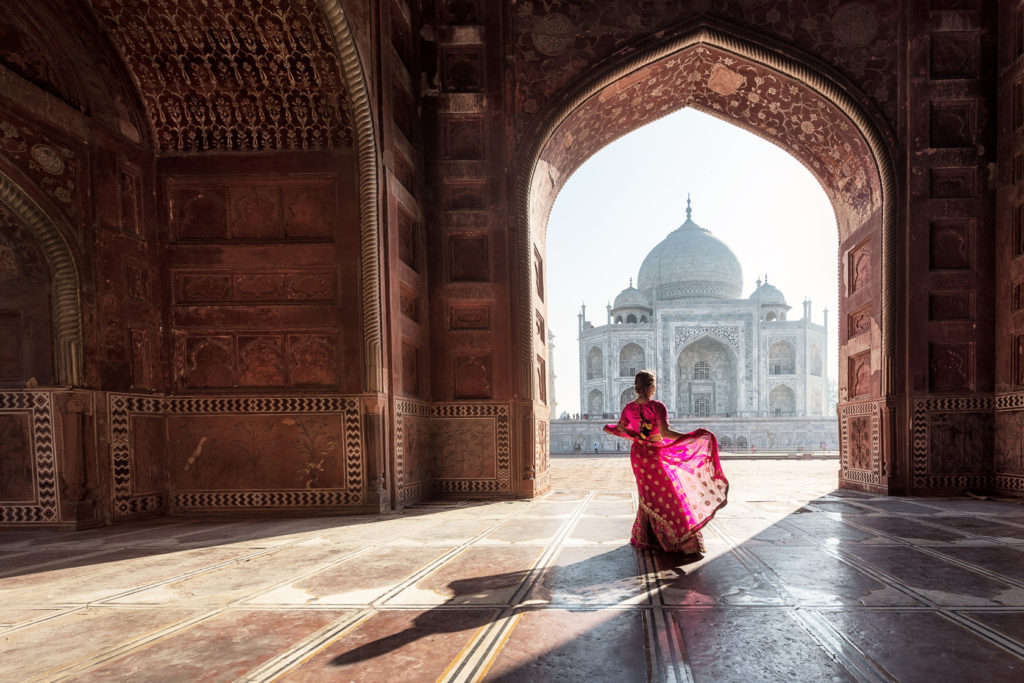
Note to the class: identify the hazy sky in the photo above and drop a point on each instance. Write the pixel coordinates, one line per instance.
(628, 197)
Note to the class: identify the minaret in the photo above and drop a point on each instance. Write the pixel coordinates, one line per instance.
(824, 360)
(582, 317)
(551, 376)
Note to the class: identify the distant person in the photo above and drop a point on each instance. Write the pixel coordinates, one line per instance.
(680, 482)
(595, 448)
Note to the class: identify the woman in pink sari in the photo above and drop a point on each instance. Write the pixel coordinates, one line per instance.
(680, 482)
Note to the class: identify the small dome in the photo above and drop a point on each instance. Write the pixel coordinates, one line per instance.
(769, 295)
(691, 263)
(631, 297)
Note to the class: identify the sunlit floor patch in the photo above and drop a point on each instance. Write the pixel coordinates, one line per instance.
(799, 582)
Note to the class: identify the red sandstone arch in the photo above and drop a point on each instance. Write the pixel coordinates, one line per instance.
(793, 105)
(65, 302)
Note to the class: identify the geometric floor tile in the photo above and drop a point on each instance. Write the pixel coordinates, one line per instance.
(799, 583)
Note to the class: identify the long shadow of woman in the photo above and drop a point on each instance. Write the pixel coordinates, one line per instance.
(596, 581)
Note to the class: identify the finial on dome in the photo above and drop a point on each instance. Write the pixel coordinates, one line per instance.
(631, 283)
(758, 283)
(688, 209)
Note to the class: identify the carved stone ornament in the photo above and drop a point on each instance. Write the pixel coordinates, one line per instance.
(241, 76)
(729, 334)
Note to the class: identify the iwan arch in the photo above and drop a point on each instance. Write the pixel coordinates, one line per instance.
(797, 109)
(309, 240)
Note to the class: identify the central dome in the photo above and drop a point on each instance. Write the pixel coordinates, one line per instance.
(690, 263)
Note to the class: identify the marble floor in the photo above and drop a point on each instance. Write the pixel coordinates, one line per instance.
(800, 583)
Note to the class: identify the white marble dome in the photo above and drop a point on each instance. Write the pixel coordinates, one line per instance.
(691, 263)
(768, 295)
(631, 297)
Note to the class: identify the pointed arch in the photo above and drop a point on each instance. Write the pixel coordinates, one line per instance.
(65, 280)
(548, 160)
(369, 218)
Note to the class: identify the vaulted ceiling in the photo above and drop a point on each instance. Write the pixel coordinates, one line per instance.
(232, 75)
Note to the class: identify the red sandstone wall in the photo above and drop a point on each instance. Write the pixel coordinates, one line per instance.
(1009, 248)
(948, 223)
(263, 300)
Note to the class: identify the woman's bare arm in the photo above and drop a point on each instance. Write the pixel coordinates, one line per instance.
(667, 432)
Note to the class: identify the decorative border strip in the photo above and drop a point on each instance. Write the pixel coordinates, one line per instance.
(277, 498)
(1010, 483)
(123, 406)
(1010, 401)
(919, 442)
(260, 404)
(40, 407)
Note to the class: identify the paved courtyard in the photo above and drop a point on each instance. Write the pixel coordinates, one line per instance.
(801, 583)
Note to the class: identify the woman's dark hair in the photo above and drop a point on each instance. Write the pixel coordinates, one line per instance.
(643, 382)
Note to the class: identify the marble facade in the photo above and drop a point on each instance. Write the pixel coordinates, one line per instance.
(715, 354)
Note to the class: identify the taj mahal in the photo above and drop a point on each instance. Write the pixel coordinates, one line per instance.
(745, 362)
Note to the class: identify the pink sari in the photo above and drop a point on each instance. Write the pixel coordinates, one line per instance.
(681, 486)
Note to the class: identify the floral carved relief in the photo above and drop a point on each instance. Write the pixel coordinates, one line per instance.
(247, 452)
(751, 95)
(233, 75)
(950, 366)
(54, 167)
(860, 442)
(858, 322)
(1009, 441)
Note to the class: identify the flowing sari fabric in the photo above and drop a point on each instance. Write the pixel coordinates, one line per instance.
(681, 486)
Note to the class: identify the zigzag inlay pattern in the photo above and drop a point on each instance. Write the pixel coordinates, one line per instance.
(1012, 401)
(354, 479)
(257, 404)
(919, 442)
(1009, 483)
(39, 406)
(262, 499)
